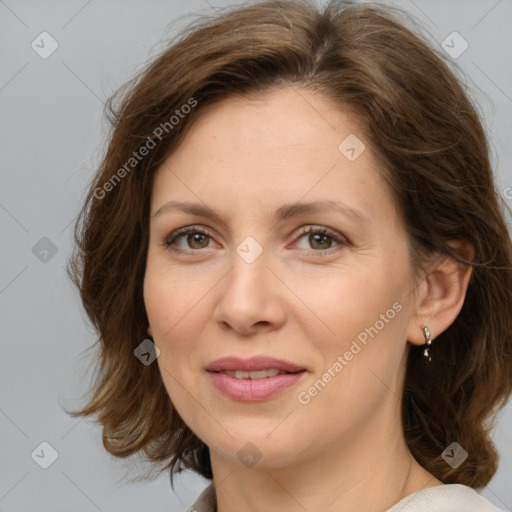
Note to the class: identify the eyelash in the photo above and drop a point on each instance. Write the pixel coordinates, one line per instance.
(341, 241)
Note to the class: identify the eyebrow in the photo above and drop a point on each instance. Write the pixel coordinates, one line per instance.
(284, 212)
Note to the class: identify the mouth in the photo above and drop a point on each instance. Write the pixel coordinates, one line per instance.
(257, 374)
(258, 378)
(254, 366)
(256, 387)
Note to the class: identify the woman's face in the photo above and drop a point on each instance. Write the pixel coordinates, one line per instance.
(336, 304)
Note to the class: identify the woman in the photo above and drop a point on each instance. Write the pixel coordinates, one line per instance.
(297, 207)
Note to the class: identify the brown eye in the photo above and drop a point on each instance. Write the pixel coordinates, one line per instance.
(320, 241)
(197, 238)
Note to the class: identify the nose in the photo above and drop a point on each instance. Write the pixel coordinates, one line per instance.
(251, 297)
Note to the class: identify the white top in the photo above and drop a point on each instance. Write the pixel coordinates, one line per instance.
(442, 498)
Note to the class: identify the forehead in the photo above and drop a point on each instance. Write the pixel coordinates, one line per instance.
(283, 118)
(284, 145)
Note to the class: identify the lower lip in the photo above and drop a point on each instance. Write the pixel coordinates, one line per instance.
(249, 390)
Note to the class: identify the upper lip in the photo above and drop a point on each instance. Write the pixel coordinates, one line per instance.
(254, 363)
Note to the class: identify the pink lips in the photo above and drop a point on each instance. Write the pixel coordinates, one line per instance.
(251, 390)
(252, 364)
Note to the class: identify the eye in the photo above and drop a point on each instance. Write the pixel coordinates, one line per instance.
(320, 238)
(197, 238)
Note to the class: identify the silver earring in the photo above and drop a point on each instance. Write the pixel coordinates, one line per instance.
(427, 334)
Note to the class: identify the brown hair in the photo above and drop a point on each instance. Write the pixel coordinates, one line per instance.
(427, 135)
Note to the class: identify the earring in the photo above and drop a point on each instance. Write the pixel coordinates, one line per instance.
(426, 333)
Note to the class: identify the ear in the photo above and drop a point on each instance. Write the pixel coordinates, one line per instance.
(441, 293)
(150, 331)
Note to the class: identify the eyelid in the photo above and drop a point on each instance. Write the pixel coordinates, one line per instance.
(169, 240)
(314, 228)
(341, 241)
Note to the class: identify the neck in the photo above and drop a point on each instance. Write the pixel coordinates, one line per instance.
(371, 469)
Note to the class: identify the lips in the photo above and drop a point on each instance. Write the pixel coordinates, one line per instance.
(253, 364)
(255, 379)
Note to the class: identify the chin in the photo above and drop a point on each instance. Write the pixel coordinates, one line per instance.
(251, 448)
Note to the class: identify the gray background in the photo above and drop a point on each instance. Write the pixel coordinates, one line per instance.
(52, 135)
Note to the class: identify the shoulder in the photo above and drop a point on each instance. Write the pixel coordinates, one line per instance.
(445, 498)
(206, 501)
(442, 498)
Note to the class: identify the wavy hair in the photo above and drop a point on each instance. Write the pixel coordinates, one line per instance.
(426, 132)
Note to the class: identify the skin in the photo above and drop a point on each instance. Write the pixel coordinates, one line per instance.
(302, 299)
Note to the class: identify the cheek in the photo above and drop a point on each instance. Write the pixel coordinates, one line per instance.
(361, 334)
(339, 305)
(168, 301)
(176, 313)
(358, 377)
(167, 304)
